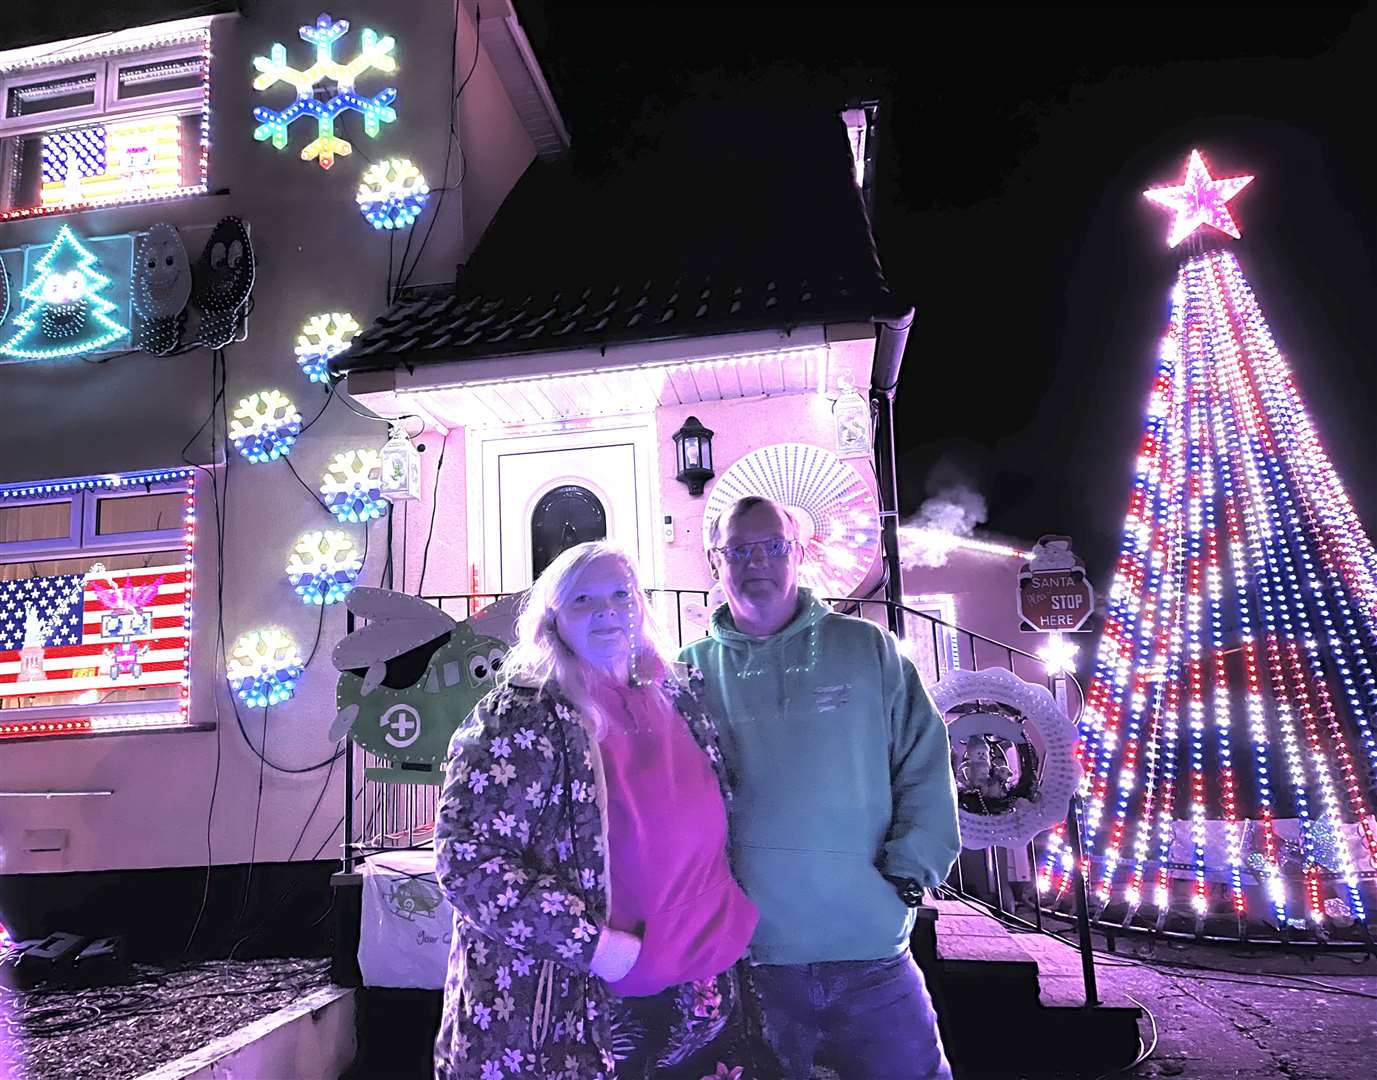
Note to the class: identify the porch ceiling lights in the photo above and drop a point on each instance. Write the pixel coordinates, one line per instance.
(625, 388)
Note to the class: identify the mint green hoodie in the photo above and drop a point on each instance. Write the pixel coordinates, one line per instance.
(841, 772)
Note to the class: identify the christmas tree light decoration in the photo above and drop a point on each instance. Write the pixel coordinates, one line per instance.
(392, 193)
(352, 486)
(323, 566)
(66, 312)
(323, 337)
(264, 667)
(265, 425)
(1229, 736)
(1199, 201)
(375, 55)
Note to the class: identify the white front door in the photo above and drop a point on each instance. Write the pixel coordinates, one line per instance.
(615, 464)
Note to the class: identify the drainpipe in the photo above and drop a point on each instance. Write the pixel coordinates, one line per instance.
(890, 340)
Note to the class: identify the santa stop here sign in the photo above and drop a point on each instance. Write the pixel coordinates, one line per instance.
(1054, 595)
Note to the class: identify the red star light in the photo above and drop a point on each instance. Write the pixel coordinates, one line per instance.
(1199, 201)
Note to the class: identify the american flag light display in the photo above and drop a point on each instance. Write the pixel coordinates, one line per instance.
(1228, 735)
(112, 162)
(67, 633)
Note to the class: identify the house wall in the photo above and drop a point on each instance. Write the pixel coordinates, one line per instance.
(70, 418)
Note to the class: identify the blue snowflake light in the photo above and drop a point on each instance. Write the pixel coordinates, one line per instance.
(264, 667)
(323, 336)
(265, 426)
(375, 55)
(352, 486)
(392, 193)
(324, 566)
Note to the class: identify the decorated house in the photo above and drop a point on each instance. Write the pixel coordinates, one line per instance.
(229, 246)
(194, 215)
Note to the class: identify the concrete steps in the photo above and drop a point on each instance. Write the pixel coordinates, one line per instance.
(1013, 1004)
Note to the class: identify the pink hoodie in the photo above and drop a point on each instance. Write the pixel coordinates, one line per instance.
(667, 847)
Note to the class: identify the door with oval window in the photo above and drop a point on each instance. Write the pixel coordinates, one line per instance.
(564, 516)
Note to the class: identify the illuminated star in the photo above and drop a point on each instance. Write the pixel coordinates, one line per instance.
(1199, 201)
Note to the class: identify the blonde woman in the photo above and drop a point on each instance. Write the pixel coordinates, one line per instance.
(581, 838)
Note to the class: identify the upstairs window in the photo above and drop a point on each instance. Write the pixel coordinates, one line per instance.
(120, 119)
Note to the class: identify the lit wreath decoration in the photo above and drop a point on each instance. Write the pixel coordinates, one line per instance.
(997, 809)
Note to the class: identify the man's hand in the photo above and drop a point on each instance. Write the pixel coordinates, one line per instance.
(910, 892)
(615, 954)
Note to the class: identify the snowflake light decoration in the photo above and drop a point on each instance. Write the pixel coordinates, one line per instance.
(264, 667)
(392, 193)
(322, 337)
(324, 566)
(265, 425)
(375, 55)
(352, 485)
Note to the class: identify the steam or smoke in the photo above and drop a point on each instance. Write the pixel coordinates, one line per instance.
(952, 512)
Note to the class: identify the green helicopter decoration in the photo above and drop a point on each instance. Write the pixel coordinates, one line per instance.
(408, 678)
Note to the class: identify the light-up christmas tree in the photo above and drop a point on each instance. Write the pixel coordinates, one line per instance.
(66, 312)
(1228, 734)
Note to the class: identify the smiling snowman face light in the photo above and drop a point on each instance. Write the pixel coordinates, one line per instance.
(224, 281)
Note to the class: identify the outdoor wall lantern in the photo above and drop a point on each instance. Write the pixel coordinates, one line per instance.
(401, 468)
(693, 453)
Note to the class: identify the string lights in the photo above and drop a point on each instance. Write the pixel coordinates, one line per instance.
(1230, 729)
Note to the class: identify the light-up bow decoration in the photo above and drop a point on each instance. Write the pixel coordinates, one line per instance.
(375, 55)
(1199, 201)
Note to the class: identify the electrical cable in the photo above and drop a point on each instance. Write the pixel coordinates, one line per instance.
(217, 396)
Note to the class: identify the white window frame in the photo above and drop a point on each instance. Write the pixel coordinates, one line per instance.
(193, 42)
(107, 718)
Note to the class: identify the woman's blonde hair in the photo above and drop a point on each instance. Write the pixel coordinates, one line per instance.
(541, 656)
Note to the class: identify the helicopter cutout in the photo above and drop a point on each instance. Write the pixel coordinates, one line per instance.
(408, 678)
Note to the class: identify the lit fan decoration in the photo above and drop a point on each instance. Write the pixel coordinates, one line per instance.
(839, 521)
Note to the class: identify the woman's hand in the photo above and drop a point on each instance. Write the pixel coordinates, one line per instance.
(615, 955)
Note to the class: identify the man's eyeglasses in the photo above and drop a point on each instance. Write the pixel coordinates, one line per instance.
(775, 549)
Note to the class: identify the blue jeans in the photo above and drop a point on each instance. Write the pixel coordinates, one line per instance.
(867, 1019)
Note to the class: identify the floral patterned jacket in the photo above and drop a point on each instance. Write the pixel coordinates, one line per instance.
(521, 853)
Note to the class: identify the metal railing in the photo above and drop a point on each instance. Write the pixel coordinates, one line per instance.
(382, 816)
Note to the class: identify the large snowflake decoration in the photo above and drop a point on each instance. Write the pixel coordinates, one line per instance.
(264, 667)
(392, 193)
(265, 425)
(375, 55)
(324, 566)
(322, 337)
(352, 485)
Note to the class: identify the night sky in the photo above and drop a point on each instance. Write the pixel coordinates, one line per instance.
(1013, 148)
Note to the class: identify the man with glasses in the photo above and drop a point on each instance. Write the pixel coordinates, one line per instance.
(845, 807)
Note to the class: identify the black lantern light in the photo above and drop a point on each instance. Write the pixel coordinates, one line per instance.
(693, 452)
